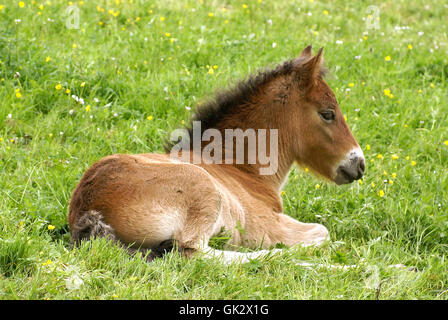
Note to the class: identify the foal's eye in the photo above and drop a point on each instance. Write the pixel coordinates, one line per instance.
(327, 115)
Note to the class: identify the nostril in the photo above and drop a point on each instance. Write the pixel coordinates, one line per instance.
(361, 168)
(361, 165)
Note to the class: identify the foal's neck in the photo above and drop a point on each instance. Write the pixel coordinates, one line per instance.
(260, 117)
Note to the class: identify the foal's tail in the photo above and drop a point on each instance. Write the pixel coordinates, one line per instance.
(91, 225)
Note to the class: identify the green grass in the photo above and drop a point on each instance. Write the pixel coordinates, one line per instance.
(129, 69)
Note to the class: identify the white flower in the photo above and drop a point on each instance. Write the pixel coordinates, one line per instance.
(74, 282)
(339, 42)
(269, 22)
(358, 57)
(274, 44)
(71, 111)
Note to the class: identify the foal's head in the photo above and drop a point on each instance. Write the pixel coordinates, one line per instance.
(323, 140)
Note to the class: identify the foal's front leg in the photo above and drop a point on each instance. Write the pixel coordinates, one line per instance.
(299, 233)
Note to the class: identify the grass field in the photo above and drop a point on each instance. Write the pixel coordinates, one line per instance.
(135, 70)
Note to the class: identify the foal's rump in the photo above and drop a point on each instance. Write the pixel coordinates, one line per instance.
(144, 199)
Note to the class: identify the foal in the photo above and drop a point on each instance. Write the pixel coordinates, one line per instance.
(152, 202)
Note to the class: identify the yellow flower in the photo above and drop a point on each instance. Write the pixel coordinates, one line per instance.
(167, 34)
(360, 181)
(75, 46)
(345, 118)
(51, 227)
(162, 18)
(381, 193)
(446, 142)
(394, 157)
(82, 84)
(88, 108)
(283, 193)
(47, 263)
(432, 85)
(407, 158)
(387, 58)
(317, 186)
(244, 6)
(58, 86)
(18, 94)
(419, 90)
(385, 172)
(409, 46)
(394, 175)
(373, 185)
(413, 163)
(41, 7)
(210, 14)
(1, 7)
(215, 67)
(364, 38)
(306, 169)
(210, 71)
(50, 135)
(47, 59)
(391, 182)
(67, 91)
(351, 84)
(21, 4)
(325, 12)
(149, 118)
(182, 122)
(379, 156)
(100, 23)
(226, 21)
(368, 147)
(386, 92)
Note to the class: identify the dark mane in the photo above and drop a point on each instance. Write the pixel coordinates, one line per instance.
(225, 102)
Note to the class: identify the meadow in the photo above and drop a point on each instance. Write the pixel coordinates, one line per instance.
(127, 72)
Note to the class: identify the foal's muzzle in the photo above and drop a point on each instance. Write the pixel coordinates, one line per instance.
(351, 168)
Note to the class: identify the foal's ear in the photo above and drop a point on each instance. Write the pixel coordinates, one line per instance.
(306, 53)
(310, 70)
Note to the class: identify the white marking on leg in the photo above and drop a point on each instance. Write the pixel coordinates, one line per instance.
(229, 257)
